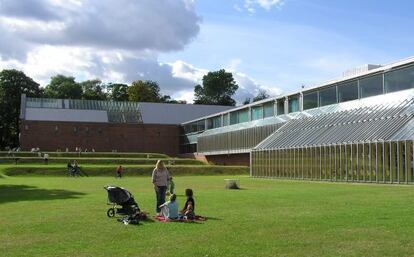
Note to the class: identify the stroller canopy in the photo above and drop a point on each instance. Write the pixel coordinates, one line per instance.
(118, 195)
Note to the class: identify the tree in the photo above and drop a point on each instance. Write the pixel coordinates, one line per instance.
(61, 86)
(93, 90)
(246, 101)
(217, 89)
(118, 92)
(13, 83)
(144, 91)
(261, 95)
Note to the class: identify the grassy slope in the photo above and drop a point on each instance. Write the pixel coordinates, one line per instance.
(66, 217)
(129, 170)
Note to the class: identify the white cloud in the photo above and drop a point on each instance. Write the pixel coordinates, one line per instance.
(161, 25)
(114, 40)
(251, 5)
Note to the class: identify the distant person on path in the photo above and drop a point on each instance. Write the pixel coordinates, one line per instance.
(160, 178)
(46, 158)
(119, 171)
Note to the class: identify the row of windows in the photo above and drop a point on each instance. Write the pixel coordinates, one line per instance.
(377, 84)
(388, 82)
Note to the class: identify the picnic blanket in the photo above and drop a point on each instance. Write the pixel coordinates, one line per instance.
(196, 218)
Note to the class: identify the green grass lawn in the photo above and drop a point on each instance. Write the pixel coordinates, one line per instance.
(60, 216)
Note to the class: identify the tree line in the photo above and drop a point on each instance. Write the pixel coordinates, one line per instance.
(217, 88)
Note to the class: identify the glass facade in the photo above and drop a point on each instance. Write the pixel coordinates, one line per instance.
(214, 122)
(280, 106)
(268, 109)
(391, 81)
(400, 79)
(327, 96)
(348, 91)
(257, 112)
(371, 86)
(239, 116)
(373, 162)
(310, 100)
(293, 103)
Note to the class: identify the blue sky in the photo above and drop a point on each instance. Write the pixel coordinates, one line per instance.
(276, 45)
(300, 42)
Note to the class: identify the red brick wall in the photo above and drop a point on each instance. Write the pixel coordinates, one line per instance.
(242, 159)
(100, 136)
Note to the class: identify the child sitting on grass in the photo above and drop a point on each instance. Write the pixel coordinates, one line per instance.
(188, 212)
(170, 209)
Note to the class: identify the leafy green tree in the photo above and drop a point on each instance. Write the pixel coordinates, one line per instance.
(261, 95)
(118, 92)
(144, 91)
(61, 86)
(93, 90)
(217, 89)
(13, 83)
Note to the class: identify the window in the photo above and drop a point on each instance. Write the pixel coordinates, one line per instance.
(293, 103)
(243, 115)
(257, 112)
(214, 122)
(310, 100)
(400, 79)
(268, 109)
(370, 86)
(327, 96)
(348, 91)
(226, 119)
(200, 125)
(280, 106)
(233, 118)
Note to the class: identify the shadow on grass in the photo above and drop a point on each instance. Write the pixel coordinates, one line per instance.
(17, 193)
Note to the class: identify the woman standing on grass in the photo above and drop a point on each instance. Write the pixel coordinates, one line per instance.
(160, 178)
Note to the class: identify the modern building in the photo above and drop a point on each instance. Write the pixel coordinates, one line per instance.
(355, 128)
(51, 124)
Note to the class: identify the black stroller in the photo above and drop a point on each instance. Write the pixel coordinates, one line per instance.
(118, 196)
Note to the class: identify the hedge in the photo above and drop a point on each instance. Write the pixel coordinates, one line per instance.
(128, 171)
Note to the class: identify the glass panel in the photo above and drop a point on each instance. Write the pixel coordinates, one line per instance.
(327, 96)
(216, 122)
(268, 109)
(348, 91)
(310, 100)
(293, 103)
(243, 115)
(257, 112)
(399, 79)
(280, 106)
(209, 123)
(233, 118)
(225, 119)
(370, 86)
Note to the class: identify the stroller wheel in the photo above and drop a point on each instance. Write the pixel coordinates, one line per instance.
(111, 212)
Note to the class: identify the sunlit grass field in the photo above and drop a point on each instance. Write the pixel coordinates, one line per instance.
(62, 216)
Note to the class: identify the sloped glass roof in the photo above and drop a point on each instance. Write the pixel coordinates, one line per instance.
(385, 117)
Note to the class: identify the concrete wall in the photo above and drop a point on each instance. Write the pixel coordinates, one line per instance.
(50, 114)
(49, 136)
(242, 159)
